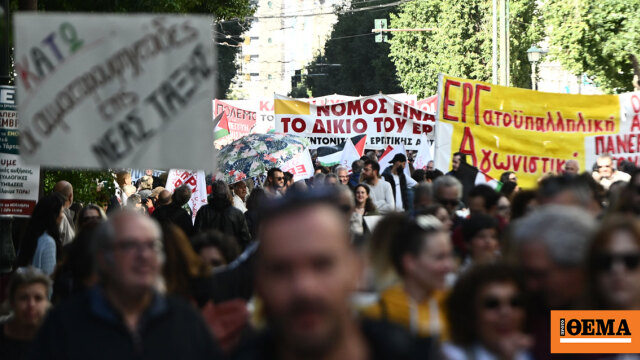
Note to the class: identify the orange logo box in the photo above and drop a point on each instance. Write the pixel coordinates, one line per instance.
(595, 332)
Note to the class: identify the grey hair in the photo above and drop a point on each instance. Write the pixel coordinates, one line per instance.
(447, 181)
(565, 231)
(340, 168)
(105, 236)
(344, 190)
(331, 176)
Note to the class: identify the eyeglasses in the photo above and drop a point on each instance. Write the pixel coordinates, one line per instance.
(630, 261)
(137, 247)
(494, 303)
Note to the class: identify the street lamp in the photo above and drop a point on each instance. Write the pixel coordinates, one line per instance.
(534, 54)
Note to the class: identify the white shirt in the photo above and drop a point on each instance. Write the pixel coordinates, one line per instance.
(382, 196)
(238, 203)
(399, 205)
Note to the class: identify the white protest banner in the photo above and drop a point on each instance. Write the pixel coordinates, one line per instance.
(196, 181)
(265, 118)
(18, 182)
(115, 91)
(236, 121)
(384, 120)
(424, 155)
(301, 166)
(624, 145)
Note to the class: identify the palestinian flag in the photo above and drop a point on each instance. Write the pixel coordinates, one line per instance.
(332, 155)
(467, 172)
(221, 126)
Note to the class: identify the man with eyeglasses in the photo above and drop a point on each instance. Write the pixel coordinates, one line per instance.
(124, 317)
(606, 174)
(274, 184)
(343, 175)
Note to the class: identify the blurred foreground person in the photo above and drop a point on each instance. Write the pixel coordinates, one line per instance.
(550, 245)
(89, 213)
(422, 254)
(215, 248)
(306, 274)
(28, 299)
(123, 317)
(613, 265)
(487, 316)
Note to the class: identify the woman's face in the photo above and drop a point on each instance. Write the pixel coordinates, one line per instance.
(30, 303)
(361, 195)
(434, 262)
(485, 246)
(445, 219)
(91, 214)
(619, 271)
(500, 314)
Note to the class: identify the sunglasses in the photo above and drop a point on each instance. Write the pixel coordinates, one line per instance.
(280, 178)
(630, 261)
(494, 303)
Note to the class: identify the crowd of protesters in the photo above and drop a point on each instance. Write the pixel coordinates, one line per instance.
(360, 263)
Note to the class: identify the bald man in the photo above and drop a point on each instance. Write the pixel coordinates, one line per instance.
(571, 167)
(67, 232)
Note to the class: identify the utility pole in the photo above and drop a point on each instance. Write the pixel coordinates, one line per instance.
(504, 48)
(494, 57)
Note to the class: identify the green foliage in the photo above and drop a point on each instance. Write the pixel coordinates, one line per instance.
(595, 37)
(222, 9)
(364, 65)
(461, 43)
(85, 183)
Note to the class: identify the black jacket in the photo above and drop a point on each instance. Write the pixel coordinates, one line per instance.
(88, 327)
(224, 218)
(386, 341)
(174, 214)
(388, 176)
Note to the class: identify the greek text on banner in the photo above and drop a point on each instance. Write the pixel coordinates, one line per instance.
(512, 129)
(384, 120)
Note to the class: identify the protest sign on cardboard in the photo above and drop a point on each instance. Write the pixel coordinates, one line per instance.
(385, 121)
(18, 182)
(512, 129)
(98, 90)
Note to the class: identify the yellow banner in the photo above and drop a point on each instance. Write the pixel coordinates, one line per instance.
(512, 129)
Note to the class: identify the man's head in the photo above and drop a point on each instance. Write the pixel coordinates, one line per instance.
(148, 172)
(571, 167)
(551, 245)
(164, 198)
(306, 271)
(422, 253)
(483, 200)
(371, 170)
(128, 253)
(66, 189)
(399, 161)
(480, 233)
(356, 166)
(331, 180)
(343, 175)
(605, 166)
(215, 248)
(422, 195)
(240, 189)
(275, 178)
(448, 192)
(181, 195)
(458, 158)
(430, 165)
(123, 178)
(146, 182)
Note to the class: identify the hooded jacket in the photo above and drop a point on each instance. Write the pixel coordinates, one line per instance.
(219, 214)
